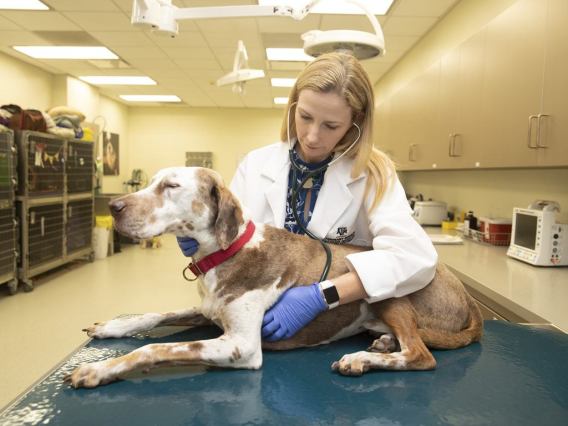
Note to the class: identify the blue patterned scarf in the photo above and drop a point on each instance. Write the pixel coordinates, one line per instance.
(304, 209)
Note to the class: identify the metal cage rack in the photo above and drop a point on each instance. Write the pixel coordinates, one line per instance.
(79, 227)
(8, 224)
(55, 202)
(79, 166)
(41, 164)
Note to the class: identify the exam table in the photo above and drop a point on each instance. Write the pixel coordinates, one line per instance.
(517, 375)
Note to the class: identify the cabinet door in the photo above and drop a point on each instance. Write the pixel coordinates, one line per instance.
(381, 128)
(401, 117)
(513, 81)
(467, 143)
(554, 125)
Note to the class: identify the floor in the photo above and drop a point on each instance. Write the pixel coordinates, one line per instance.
(40, 328)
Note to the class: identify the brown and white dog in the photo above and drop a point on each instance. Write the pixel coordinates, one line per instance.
(195, 202)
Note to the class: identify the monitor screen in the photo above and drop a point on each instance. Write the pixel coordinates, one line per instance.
(525, 230)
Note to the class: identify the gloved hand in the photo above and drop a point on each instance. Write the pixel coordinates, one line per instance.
(188, 245)
(297, 307)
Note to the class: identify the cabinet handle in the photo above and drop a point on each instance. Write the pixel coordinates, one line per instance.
(451, 145)
(454, 145)
(538, 144)
(411, 152)
(529, 139)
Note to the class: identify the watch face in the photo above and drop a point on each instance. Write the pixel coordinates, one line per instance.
(331, 295)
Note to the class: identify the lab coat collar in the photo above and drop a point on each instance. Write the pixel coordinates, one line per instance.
(333, 199)
(276, 171)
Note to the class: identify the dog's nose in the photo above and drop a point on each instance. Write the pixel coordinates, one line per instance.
(116, 207)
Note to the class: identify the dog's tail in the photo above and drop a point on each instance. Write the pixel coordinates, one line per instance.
(440, 339)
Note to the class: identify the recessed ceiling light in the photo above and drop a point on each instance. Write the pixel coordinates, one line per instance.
(118, 79)
(377, 7)
(282, 82)
(287, 54)
(150, 98)
(281, 100)
(23, 5)
(66, 52)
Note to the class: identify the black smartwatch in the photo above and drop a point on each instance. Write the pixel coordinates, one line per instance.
(330, 294)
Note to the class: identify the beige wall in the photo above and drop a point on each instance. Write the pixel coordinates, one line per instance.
(491, 193)
(24, 84)
(160, 137)
(486, 192)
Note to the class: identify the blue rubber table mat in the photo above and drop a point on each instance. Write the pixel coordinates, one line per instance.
(516, 376)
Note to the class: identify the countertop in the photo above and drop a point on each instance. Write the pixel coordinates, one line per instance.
(525, 293)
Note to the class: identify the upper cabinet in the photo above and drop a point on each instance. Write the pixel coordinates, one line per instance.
(553, 138)
(499, 100)
(513, 78)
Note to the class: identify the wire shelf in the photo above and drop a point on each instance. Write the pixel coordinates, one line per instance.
(492, 238)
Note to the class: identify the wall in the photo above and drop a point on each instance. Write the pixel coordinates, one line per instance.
(491, 193)
(24, 84)
(114, 117)
(160, 137)
(486, 192)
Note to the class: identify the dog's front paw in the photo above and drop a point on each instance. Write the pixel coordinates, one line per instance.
(122, 327)
(90, 375)
(352, 364)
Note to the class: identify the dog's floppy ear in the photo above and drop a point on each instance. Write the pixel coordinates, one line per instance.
(229, 216)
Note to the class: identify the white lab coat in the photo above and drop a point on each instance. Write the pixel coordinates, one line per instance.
(403, 260)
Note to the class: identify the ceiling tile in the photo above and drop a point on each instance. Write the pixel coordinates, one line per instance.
(183, 39)
(288, 25)
(435, 8)
(6, 24)
(198, 64)
(130, 52)
(75, 5)
(124, 5)
(102, 21)
(121, 38)
(42, 21)
(235, 26)
(286, 66)
(408, 26)
(181, 53)
(349, 22)
(20, 38)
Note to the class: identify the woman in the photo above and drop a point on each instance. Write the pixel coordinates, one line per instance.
(357, 200)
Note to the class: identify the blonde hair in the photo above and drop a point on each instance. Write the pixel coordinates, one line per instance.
(343, 74)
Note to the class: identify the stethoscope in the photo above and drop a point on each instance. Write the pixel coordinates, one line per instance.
(295, 188)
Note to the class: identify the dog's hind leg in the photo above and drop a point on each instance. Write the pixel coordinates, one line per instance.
(128, 326)
(398, 315)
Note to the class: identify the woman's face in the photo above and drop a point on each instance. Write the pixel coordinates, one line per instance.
(322, 119)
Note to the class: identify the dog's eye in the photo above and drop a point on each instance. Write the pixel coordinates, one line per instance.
(171, 185)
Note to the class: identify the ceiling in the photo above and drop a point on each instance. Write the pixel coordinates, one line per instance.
(203, 51)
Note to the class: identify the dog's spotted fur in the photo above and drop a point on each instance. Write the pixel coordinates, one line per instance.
(194, 202)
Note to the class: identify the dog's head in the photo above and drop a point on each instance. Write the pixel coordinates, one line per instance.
(185, 201)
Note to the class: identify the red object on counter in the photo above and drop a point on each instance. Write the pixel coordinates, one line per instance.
(496, 231)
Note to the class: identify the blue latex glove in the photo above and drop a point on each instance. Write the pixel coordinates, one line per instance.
(297, 307)
(188, 245)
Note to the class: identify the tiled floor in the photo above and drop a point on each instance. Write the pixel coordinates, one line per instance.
(39, 329)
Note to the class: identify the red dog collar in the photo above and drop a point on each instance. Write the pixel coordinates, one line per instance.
(215, 259)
